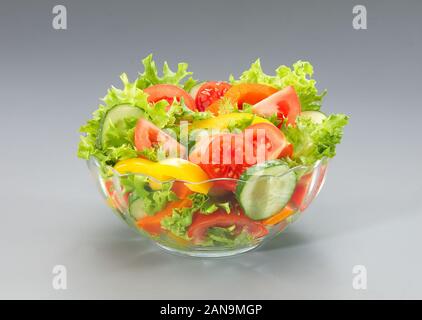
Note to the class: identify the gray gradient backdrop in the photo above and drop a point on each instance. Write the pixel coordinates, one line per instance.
(369, 211)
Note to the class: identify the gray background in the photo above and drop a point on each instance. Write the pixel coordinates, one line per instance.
(369, 211)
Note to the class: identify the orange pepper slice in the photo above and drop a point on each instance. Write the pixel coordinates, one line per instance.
(278, 217)
(180, 189)
(244, 93)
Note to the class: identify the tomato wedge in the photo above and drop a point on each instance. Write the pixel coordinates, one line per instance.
(303, 196)
(284, 103)
(209, 92)
(228, 155)
(244, 93)
(147, 135)
(221, 157)
(169, 92)
(287, 151)
(267, 136)
(115, 200)
(201, 223)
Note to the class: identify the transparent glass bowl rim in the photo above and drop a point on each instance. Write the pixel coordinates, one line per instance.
(305, 168)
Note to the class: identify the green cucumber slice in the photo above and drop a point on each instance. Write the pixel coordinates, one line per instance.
(114, 117)
(316, 116)
(136, 208)
(265, 189)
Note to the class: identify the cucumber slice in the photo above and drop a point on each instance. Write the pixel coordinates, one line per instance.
(265, 189)
(195, 89)
(315, 116)
(136, 209)
(114, 117)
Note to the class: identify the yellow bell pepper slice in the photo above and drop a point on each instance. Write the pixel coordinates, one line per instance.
(185, 170)
(140, 165)
(223, 121)
(174, 168)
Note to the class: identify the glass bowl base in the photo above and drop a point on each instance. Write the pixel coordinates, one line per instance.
(207, 253)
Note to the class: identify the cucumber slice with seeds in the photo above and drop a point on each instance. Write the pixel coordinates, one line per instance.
(265, 189)
(136, 208)
(315, 116)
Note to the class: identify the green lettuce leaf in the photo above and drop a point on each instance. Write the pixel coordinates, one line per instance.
(181, 218)
(86, 146)
(150, 153)
(121, 134)
(153, 201)
(150, 75)
(311, 141)
(237, 126)
(122, 152)
(299, 76)
(132, 95)
(227, 237)
(182, 112)
(178, 222)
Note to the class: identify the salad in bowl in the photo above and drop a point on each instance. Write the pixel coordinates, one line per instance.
(211, 168)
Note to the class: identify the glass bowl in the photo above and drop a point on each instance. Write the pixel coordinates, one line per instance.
(310, 180)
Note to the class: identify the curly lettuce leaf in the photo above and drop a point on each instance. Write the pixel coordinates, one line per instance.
(118, 135)
(299, 76)
(182, 112)
(239, 125)
(121, 134)
(122, 152)
(150, 75)
(153, 201)
(132, 95)
(150, 154)
(178, 222)
(181, 218)
(86, 146)
(312, 141)
(227, 237)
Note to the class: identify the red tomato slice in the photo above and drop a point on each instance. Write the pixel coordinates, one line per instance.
(284, 103)
(148, 135)
(209, 92)
(114, 196)
(301, 191)
(218, 158)
(201, 223)
(228, 155)
(269, 138)
(287, 151)
(169, 92)
(302, 197)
